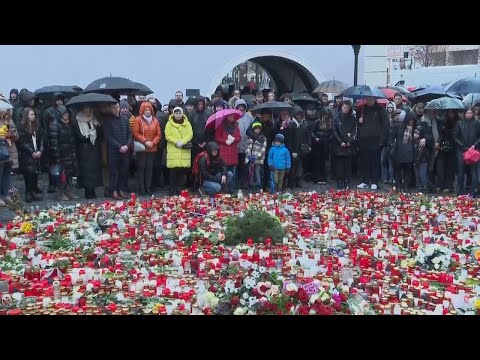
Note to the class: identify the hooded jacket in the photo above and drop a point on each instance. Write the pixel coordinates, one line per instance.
(143, 131)
(243, 124)
(404, 152)
(15, 102)
(345, 129)
(199, 119)
(279, 157)
(174, 131)
(62, 143)
(216, 165)
(24, 98)
(373, 132)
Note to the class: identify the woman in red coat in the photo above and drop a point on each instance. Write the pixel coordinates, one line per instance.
(228, 136)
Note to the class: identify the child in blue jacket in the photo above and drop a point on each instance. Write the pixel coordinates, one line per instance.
(279, 161)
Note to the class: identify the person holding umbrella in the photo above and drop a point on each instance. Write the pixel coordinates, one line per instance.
(146, 130)
(227, 136)
(119, 146)
(466, 135)
(373, 129)
(179, 134)
(89, 134)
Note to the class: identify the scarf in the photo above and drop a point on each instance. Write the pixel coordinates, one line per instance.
(434, 124)
(148, 119)
(87, 126)
(407, 135)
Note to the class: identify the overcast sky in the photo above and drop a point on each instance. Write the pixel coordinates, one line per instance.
(164, 68)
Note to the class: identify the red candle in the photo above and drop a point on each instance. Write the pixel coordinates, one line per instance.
(250, 242)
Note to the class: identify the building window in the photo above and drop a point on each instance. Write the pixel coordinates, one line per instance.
(464, 57)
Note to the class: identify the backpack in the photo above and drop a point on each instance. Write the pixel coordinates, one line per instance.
(195, 167)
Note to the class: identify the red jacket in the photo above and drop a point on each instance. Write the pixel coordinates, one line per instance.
(229, 153)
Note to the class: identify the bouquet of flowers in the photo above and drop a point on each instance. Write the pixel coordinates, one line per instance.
(434, 257)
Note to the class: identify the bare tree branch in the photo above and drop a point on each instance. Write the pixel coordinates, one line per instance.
(429, 55)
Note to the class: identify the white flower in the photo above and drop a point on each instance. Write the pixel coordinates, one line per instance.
(273, 290)
(214, 302)
(262, 269)
(252, 300)
(239, 311)
(436, 266)
(242, 302)
(324, 296)
(245, 295)
(249, 282)
(312, 312)
(254, 266)
(314, 298)
(291, 287)
(429, 249)
(229, 286)
(436, 260)
(255, 274)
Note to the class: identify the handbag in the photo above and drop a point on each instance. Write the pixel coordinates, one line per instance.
(305, 149)
(188, 145)
(4, 152)
(137, 145)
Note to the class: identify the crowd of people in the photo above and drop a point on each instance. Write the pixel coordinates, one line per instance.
(170, 146)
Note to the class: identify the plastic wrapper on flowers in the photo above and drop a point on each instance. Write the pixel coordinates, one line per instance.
(342, 253)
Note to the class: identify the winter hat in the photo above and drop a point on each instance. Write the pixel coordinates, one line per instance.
(219, 102)
(124, 104)
(178, 108)
(391, 104)
(401, 114)
(191, 101)
(241, 102)
(61, 110)
(297, 110)
(165, 108)
(256, 124)
(172, 103)
(280, 138)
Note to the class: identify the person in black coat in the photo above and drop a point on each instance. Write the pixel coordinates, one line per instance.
(89, 135)
(30, 150)
(301, 147)
(345, 131)
(63, 152)
(321, 135)
(403, 149)
(120, 143)
(466, 135)
(446, 152)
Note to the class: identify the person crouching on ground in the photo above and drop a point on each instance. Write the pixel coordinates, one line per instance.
(63, 151)
(212, 171)
(255, 157)
(279, 161)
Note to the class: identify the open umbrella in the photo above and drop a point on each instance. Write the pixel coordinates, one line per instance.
(445, 103)
(464, 86)
(389, 93)
(5, 105)
(91, 99)
(304, 99)
(414, 89)
(48, 91)
(144, 89)
(471, 99)
(219, 116)
(272, 106)
(77, 89)
(363, 91)
(407, 94)
(113, 85)
(430, 93)
(250, 100)
(330, 86)
(361, 102)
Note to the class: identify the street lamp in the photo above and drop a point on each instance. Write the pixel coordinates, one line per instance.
(356, 51)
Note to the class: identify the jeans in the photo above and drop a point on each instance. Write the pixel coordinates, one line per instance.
(422, 170)
(388, 170)
(461, 167)
(214, 187)
(5, 169)
(344, 168)
(369, 164)
(118, 167)
(255, 181)
(233, 170)
(145, 170)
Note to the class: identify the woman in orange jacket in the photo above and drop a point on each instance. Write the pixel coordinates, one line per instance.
(146, 130)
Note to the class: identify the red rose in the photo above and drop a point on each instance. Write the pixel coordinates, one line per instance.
(304, 310)
(213, 289)
(343, 297)
(279, 312)
(263, 289)
(235, 300)
(254, 292)
(289, 306)
(303, 296)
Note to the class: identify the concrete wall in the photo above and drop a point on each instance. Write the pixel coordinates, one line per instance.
(375, 71)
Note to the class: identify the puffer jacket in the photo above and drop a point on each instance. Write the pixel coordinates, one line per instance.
(143, 131)
(279, 157)
(63, 146)
(9, 134)
(24, 98)
(178, 157)
(117, 132)
(25, 147)
(374, 130)
(199, 119)
(256, 148)
(229, 153)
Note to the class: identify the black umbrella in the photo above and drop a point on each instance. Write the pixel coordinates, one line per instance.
(464, 86)
(90, 99)
(420, 87)
(471, 99)
(77, 89)
(363, 92)
(304, 99)
(330, 86)
(250, 100)
(113, 85)
(48, 91)
(272, 106)
(145, 90)
(445, 103)
(430, 93)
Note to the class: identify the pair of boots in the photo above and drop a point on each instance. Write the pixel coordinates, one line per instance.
(34, 195)
(90, 193)
(67, 194)
(119, 195)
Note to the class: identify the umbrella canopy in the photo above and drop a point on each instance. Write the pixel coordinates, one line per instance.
(402, 91)
(363, 91)
(330, 86)
(144, 89)
(113, 85)
(445, 103)
(471, 99)
(418, 88)
(389, 93)
(48, 91)
(304, 99)
(90, 99)
(361, 102)
(272, 106)
(430, 93)
(218, 117)
(5, 105)
(464, 86)
(77, 89)
(250, 100)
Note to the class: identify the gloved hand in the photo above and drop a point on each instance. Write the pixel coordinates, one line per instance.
(229, 142)
(231, 138)
(246, 160)
(271, 168)
(252, 158)
(294, 155)
(179, 144)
